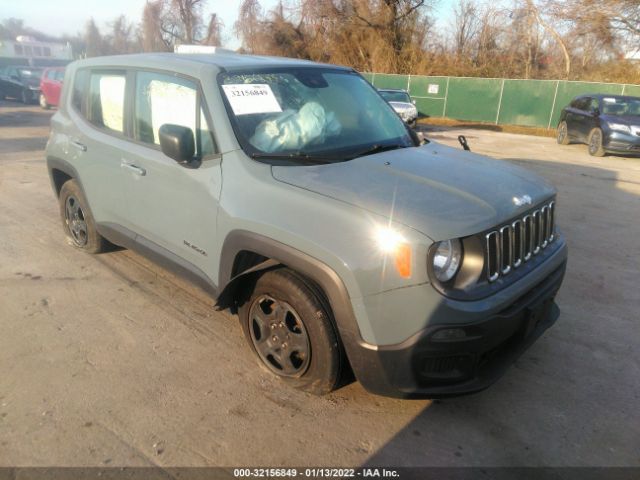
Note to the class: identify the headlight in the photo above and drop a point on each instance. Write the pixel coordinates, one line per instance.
(620, 127)
(446, 259)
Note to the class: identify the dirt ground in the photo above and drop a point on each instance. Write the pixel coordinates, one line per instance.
(111, 360)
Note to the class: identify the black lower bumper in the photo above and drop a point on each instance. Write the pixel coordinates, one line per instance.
(458, 359)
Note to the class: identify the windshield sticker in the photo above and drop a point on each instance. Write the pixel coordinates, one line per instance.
(609, 100)
(251, 98)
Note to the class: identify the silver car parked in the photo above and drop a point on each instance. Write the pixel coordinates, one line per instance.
(402, 104)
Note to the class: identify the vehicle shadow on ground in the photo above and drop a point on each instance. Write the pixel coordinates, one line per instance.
(17, 145)
(555, 405)
(14, 114)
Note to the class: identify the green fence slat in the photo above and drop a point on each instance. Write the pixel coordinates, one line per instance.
(526, 102)
(382, 80)
(473, 99)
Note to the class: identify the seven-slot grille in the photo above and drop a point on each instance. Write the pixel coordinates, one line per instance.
(512, 245)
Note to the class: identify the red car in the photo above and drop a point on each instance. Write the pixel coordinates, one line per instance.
(51, 86)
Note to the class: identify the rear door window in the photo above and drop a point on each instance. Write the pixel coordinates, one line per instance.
(106, 100)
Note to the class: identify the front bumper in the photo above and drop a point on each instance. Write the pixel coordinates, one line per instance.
(619, 142)
(423, 367)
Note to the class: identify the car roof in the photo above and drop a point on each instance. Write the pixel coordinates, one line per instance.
(600, 96)
(182, 61)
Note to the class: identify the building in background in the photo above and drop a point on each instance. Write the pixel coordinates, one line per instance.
(26, 50)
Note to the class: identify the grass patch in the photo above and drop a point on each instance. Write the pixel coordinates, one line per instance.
(450, 122)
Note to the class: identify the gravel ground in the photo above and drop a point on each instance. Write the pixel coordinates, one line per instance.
(110, 360)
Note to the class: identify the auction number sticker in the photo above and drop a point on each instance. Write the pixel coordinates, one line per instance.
(248, 98)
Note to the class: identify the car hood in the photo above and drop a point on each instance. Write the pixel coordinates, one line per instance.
(402, 105)
(440, 191)
(631, 120)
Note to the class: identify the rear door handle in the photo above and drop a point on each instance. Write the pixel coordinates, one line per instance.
(134, 168)
(80, 146)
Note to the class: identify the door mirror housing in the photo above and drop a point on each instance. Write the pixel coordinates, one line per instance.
(177, 142)
(413, 101)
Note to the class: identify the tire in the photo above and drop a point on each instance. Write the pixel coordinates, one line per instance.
(43, 102)
(77, 220)
(292, 332)
(594, 144)
(563, 134)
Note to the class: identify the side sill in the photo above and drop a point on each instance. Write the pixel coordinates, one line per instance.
(123, 237)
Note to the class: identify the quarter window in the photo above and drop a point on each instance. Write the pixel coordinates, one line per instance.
(106, 100)
(79, 87)
(162, 99)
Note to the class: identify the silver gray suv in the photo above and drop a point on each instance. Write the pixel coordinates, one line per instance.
(294, 194)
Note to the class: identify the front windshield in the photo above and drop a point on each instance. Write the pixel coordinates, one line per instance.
(621, 106)
(390, 96)
(30, 72)
(312, 112)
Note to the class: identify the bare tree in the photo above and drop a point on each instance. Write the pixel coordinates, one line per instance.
(466, 25)
(214, 31)
(151, 31)
(93, 40)
(535, 11)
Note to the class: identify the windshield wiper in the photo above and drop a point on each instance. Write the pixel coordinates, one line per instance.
(378, 148)
(295, 156)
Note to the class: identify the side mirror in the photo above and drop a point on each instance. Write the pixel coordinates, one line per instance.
(177, 142)
(15, 77)
(413, 101)
(596, 112)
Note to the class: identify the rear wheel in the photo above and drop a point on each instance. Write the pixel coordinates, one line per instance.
(77, 219)
(43, 102)
(595, 143)
(563, 134)
(291, 331)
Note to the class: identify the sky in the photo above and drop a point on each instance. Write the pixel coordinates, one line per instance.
(56, 17)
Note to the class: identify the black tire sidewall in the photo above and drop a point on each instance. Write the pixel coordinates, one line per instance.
(600, 152)
(95, 242)
(323, 372)
(565, 140)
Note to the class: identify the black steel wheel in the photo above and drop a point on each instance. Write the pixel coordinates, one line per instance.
(563, 134)
(77, 219)
(279, 336)
(595, 143)
(291, 330)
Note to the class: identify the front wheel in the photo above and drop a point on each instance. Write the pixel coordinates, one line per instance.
(43, 102)
(291, 331)
(595, 143)
(563, 134)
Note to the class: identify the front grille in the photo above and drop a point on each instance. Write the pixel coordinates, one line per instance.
(508, 247)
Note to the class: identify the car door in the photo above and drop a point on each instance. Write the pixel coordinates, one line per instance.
(45, 84)
(13, 84)
(172, 206)
(97, 139)
(55, 87)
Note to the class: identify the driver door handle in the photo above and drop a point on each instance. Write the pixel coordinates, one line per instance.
(80, 146)
(133, 168)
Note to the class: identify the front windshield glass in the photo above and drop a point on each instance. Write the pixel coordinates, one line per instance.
(621, 106)
(395, 96)
(30, 72)
(310, 112)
